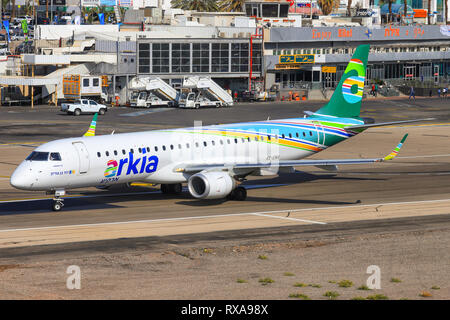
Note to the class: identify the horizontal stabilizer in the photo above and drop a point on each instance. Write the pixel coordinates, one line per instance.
(364, 126)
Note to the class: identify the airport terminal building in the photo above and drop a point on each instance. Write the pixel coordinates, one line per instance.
(311, 57)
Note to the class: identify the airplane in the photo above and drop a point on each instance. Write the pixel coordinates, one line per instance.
(213, 160)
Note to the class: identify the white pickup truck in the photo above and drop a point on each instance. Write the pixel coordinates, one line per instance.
(83, 106)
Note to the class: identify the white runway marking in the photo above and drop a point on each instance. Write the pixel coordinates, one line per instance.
(286, 218)
(263, 213)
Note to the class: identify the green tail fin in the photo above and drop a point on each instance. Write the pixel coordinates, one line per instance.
(346, 99)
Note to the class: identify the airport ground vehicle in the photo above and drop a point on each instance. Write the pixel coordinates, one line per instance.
(83, 106)
(152, 92)
(85, 86)
(203, 92)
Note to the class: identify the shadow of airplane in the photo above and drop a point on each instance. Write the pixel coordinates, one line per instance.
(112, 198)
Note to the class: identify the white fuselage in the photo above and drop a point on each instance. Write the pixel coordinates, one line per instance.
(151, 156)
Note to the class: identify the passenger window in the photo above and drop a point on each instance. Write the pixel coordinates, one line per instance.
(196, 144)
(132, 151)
(296, 134)
(179, 146)
(55, 156)
(164, 148)
(268, 138)
(235, 141)
(140, 150)
(156, 149)
(115, 152)
(107, 153)
(171, 147)
(228, 141)
(221, 142)
(98, 154)
(213, 143)
(187, 145)
(248, 139)
(204, 143)
(123, 151)
(290, 135)
(283, 135)
(304, 134)
(256, 138)
(148, 149)
(243, 140)
(310, 133)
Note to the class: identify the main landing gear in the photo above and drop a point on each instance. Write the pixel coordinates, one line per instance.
(175, 188)
(58, 202)
(238, 194)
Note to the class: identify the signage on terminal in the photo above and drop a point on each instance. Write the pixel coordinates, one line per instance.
(326, 69)
(296, 58)
(329, 34)
(287, 66)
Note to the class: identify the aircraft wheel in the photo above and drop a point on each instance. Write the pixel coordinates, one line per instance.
(176, 188)
(57, 205)
(165, 188)
(238, 194)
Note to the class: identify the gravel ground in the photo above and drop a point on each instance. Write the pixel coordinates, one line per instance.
(231, 270)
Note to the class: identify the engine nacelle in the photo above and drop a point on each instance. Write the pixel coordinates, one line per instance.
(210, 185)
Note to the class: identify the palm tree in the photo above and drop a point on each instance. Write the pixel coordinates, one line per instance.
(13, 9)
(390, 11)
(326, 6)
(231, 5)
(405, 9)
(446, 11)
(198, 5)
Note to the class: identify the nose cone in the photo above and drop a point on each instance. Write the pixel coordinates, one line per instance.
(20, 180)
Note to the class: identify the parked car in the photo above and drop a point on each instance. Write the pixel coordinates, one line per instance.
(83, 106)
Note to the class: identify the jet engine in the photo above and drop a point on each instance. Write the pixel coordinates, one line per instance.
(210, 185)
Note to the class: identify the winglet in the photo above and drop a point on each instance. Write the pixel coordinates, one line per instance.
(394, 153)
(91, 130)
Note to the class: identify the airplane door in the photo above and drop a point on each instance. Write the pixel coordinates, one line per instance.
(320, 132)
(83, 157)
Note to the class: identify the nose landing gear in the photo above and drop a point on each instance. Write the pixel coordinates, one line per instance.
(58, 202)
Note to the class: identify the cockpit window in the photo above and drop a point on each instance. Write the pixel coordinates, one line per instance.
(38, 156)
(55, 156)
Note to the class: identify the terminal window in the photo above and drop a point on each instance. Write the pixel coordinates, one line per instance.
(220, 57)
(200, 57)
(181, 57)
(144, 58)
(239, 57)
(160, 58)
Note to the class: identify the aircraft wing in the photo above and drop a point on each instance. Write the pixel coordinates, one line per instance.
(331, 163)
